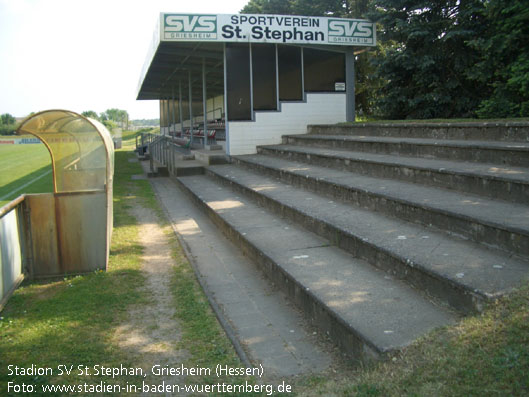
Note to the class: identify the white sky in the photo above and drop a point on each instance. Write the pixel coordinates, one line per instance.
(82, 54)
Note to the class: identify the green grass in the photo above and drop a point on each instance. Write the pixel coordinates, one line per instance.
(362, 119)
(201, 333)
(70, 321)
(21, 164)
(65, 322)
(483, 355)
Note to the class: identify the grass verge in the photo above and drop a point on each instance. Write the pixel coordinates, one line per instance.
(70, 321)
(360, 119)
(201, 333)
(483, 355)
(28, 165)
(67, 321)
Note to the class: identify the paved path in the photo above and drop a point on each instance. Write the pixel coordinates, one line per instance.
(271, 331)
(151, 333)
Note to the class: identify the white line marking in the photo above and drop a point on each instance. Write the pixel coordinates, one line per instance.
(24, 185)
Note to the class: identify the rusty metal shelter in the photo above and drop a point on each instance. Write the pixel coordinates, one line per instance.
(68, 231)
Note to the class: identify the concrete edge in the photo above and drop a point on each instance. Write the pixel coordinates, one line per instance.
(502, 234)
(458, 124)
(472, 184)
(460, 297)
(359, 347)
(230, 333)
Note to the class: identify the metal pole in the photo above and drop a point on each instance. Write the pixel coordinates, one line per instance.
(350, 84)
(180, 108)
(226, 123)
(190, 110)
(161, 115)
(277, 78)
(251, 82)
(166, 110)
(204, 102)
(168, 102)
(174, 117)
(302, 76)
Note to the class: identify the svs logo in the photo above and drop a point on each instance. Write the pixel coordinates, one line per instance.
(191, 26)
(357, 32)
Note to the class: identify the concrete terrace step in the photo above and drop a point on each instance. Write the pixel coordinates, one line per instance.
(487, 180)
(364, 310)
(508, 153)
(256, 315)
(488, 131)
(461, 273)
(494, 223)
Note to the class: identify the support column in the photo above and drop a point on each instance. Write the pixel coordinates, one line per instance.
(167, 117)
(180, 114)
(190, 110)
(251, 83)
(174, 112)
(277, 79)
(226, 123)
(161, 116)
(303, 95)
(204, 102)
(350, 84)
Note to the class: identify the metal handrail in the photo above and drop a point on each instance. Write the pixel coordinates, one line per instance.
(11, 205)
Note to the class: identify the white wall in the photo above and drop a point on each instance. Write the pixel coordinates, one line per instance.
(268, 127)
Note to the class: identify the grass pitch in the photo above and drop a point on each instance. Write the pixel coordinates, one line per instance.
(24, 169)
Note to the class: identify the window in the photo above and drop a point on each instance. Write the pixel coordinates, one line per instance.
(323, 69)
(264, 77)
(238, 82)
(290, 87)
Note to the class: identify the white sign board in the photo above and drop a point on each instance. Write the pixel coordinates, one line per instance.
(282, 29)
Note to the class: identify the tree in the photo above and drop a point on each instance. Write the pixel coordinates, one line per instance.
(427, 59)
(268, 7)
(503, 66)
(7, 124)
(7, 119)
(109, 124)
(118, 116)
(91, 114)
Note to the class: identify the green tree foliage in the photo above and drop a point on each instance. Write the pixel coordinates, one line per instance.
(435, 58)
(91, 114)
(109, 124)
(504, 63)
(6, 119)
(268, 7)
(117, 116)
(453, 58)
(7, 124)
(427, 58)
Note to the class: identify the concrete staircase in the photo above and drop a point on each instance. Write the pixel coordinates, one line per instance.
(380, 233)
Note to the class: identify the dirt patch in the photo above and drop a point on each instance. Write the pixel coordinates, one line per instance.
(151, 334)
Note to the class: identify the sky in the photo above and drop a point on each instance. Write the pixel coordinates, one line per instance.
(82, 55)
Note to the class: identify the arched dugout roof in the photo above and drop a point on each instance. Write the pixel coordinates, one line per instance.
(81, 149)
